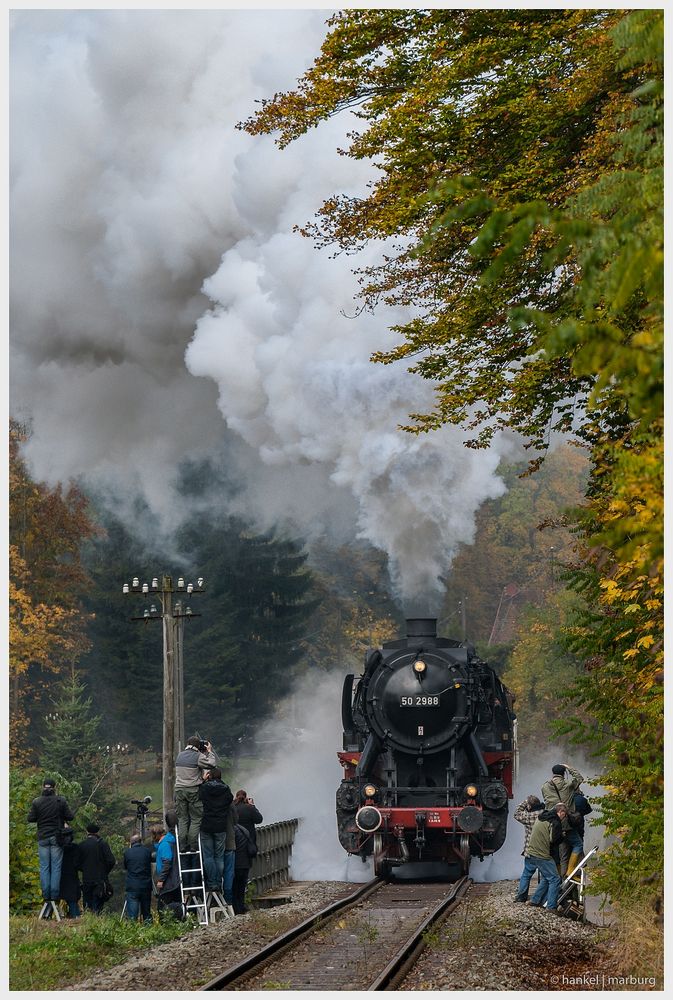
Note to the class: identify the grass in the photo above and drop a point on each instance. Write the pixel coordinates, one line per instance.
(44, 955)
(637, 944)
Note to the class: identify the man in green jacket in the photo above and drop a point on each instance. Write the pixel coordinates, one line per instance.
(544, 837)
(562, 789)
(559, 788)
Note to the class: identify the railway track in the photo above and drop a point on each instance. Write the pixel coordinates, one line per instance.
(368, 940)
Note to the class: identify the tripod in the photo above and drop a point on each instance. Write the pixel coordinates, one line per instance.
(142, 809)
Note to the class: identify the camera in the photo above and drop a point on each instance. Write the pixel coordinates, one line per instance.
(142, 803)
(203, 746)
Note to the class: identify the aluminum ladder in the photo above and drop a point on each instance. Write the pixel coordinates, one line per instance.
(573, 889)
(193, 887)
(49, 909)
(215, 903)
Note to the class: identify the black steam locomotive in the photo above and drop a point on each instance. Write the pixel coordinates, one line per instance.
(429, 754)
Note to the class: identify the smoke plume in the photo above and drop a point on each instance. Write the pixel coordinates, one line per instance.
(163, 308)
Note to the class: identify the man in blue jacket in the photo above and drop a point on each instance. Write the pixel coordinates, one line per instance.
(138, 865)
(167, 871)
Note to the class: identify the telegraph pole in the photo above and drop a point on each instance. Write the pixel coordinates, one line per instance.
(463, 616)
(172, 617)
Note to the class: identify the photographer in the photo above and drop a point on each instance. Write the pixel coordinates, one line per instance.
(190, 764)
(526, 814)
(248, 813)
(217, 798)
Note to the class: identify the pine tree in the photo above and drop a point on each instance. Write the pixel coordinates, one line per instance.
(72, 748)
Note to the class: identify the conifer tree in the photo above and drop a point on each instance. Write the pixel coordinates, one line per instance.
(72, 748)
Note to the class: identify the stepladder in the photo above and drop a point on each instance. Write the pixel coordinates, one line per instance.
(192, 884)
(573, 889)
(207, 904)
(50, 910)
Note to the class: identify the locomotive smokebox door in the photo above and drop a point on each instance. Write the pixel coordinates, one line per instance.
(413, 709)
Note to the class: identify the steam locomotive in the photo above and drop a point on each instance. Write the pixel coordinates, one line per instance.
(429, 757)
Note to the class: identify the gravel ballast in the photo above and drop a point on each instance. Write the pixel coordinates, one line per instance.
(492, 943)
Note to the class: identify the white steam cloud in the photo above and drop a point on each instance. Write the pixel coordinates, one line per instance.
(152, 242)
(302, 780)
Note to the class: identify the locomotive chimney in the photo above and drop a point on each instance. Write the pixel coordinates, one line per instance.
(421, 628)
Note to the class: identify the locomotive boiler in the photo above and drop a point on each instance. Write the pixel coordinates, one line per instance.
(429, 748)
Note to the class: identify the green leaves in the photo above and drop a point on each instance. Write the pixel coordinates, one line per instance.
(521, 156)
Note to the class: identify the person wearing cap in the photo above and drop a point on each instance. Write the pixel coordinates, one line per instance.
(540, 856)
(559, 788)
(562, 789)
(50, 811)
(526, 814)
(95, 862)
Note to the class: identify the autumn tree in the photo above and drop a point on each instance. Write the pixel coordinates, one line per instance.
(47, 629)
(522, 543)
(520, 161)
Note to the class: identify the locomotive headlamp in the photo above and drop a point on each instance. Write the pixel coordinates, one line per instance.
(370, 791)
(471, 791)
(419, 667)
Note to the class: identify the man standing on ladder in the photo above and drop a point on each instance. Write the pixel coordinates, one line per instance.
(190, 764)
(50, 811)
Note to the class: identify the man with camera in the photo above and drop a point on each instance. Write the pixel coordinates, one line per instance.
(197, 757)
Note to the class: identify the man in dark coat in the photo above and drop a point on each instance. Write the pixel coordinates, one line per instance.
(138, 865)
(216, 797)
(70, 891)
(95, 862)
(245, 852)
(50, 811)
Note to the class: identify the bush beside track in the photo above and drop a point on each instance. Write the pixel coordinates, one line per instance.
(45, 955)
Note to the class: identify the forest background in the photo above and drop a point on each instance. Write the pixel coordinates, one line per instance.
(530, 204)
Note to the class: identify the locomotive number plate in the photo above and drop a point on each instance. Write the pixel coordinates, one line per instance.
(419, 701)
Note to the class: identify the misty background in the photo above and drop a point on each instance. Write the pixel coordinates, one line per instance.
(163, 310)
(165, 316)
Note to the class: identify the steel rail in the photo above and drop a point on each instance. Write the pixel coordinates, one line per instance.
(408, 954)
(279, 945)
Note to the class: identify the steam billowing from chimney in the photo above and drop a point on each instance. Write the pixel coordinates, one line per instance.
(152, 243)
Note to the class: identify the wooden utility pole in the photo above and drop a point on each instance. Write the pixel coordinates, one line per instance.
(172, 616)
(463, 617)
(169, 751)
